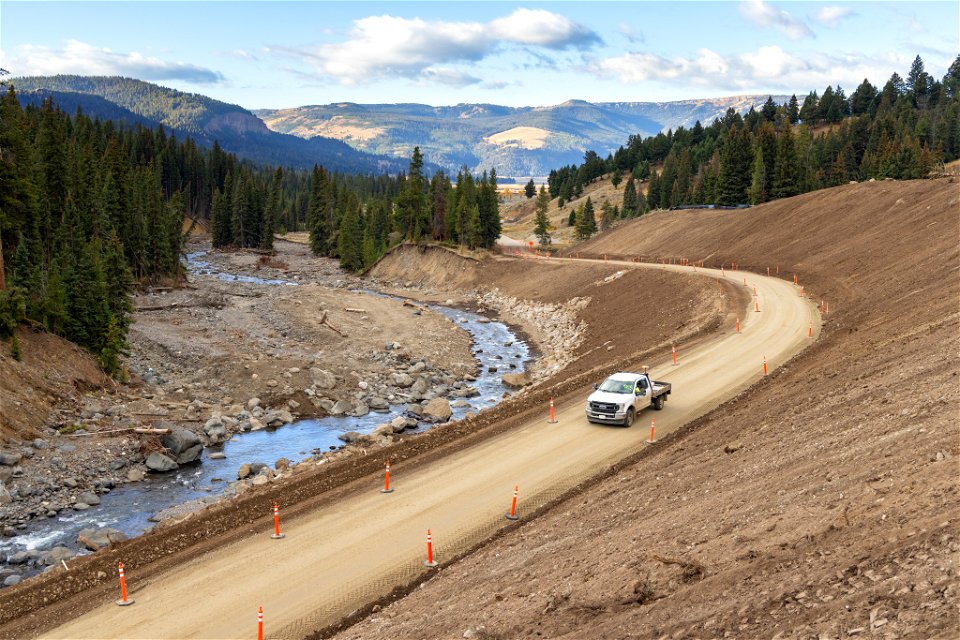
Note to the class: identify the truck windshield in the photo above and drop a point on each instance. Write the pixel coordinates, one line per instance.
(616, 386)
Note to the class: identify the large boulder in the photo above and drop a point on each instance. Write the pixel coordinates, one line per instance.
(89, 497)
(341, 408)
(322, 379)
(184, 446)
(420, 387)
(516, 380)
(215, 429)
(10, 458)
(437, 410)
(350, 436)
(57, 555)
(378, 404)
(161, 463)
(95, 539)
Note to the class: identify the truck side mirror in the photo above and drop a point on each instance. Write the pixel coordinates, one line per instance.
(595, 386)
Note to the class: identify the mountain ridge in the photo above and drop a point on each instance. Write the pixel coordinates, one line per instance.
(467, 134)
(204, 119)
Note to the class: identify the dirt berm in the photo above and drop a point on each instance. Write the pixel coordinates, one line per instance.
(636, 316)
(822, 503)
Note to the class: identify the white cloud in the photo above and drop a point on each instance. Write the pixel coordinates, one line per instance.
(81, 58)
(631, 34)
(764, 15)
(387, 46)
(769, 68)
(543, 29)
(830, 16)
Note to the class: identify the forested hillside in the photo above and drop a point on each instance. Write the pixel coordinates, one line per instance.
(89, 209)
(902, 130)
(202, 118)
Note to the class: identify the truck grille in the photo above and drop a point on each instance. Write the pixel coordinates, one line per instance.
(603, 407)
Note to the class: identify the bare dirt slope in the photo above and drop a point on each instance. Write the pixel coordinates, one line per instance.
(820, 504)
(52, 373)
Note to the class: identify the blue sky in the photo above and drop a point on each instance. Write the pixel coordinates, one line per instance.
(285, 54)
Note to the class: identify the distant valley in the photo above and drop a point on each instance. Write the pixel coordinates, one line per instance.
(523, 141)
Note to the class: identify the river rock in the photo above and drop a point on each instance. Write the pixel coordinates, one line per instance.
(243, 471)
(460, 404)
(12, 580)
(437, 410)
(277, 418)
(135, 475)
(322, 379)
(419, 388)
(349, 437)
(360, 410)
(414, 410)
(402, 380)
(516, 380)
(89, 497)
(10, 458)
(378, 404)
(401, 422)
(253, 403)
(340, 408)
(217, 455)
(184, 446)
(260, 480)
(282, 464)
(96, 539)
(57, 554)
(161, 463)
(385, 429)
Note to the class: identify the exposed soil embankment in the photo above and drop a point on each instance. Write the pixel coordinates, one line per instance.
(821, 503)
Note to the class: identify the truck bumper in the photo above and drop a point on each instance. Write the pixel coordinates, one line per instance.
(606, 418)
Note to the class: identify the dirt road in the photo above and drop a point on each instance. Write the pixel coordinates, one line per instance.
(337, 558)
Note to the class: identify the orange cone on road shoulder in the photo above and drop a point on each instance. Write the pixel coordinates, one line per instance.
(260, 623)
(764, 365)
(276, 535)
(429, 562)
(123, 601)
(553, 417)
(513, 505)
(674, 347)
(386, 480)
(810, 330)
(738, 325)
(756, 306)
(652, 439)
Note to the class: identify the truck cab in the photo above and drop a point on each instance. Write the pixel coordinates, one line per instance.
(619, 398)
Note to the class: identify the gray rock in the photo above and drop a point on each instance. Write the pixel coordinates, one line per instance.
(322, 379)
(80, 506)
(40, 444)
(260, 481)
(161, 463)
(385, 429)
(340, 408)
(135, 475)
(414, 409)
(437, 410)
(401, 422)
(57, 554)
(66, 447)
(20, 557)
(349, 437)
(360, 410)
(378, 404)
(184, 446)
(12, 580)
(70, 482)
(277, 418)
(95, 539)
(217, 455)
(516, 380)
(402, 380)
(282, 464)
(253, 403)
(257, 467)
(243, 471)
(89, 497)
(460, 404)
(10, 458)
(419, 388)
(117, 464)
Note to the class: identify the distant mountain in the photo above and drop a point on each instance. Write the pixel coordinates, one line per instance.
(520, 141)
(204, 119)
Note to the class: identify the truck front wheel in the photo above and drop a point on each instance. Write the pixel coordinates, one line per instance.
(628, 420)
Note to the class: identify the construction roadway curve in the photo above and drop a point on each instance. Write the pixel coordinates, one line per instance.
(356, 549)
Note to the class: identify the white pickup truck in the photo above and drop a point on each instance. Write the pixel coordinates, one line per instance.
(622, 396)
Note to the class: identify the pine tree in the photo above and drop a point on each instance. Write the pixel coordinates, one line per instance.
(736, 160)
(413, 217)
(530, 189)
(351, 236)
(630, 208)
(572, 218)
(607, 215)
(586, 221)
(786, 173)
(439, 185)
(541, 227)
(793, 110)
